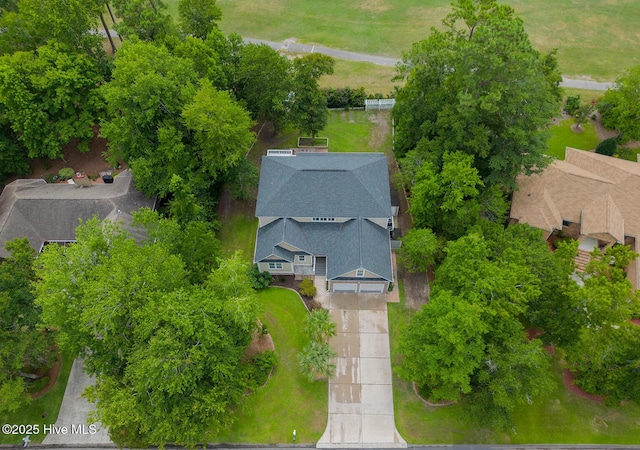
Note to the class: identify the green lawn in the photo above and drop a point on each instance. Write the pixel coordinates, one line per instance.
(598, 39)
(238, 233)
(563, 136)
(358, 131)
(560, 417)
(289, 401)
(47, 405)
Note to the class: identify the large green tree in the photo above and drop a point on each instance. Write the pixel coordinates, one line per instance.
(25, 343)
(179, 133)
(620, 105)
(469, 339)
(34, 22)
(198, 17)
(50, 96)
(167, 355)
(309, 105)
(264, 83)
(478, 86)
(148, 20)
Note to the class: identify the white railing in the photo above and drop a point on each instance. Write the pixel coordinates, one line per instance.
(377, 104)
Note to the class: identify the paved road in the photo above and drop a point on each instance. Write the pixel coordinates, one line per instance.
(294, 47)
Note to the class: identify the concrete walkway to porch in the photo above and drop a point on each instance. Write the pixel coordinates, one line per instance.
(360, 393)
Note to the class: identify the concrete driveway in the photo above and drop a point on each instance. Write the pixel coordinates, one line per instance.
(360, 393)
(72, 426)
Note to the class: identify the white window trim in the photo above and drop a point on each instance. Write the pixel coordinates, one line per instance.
(360, 273)
(274, 266)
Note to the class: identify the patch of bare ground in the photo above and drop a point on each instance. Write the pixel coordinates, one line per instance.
(569, 380)
(53, 373)
(90, 163)
(259, 343)
(380, 131)
(416, 288)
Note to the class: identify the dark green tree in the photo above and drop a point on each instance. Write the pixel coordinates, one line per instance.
(309, 105)
(167, 355)
(198, 17)
(607, 147)
(25, 344)
(50, 96)
(264, 83)
(145, 19)
(478, 86)
(620, 105)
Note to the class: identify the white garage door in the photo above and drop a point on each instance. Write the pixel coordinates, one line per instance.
(372, 287)
(345, 287)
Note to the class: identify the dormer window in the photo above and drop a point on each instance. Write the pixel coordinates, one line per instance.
(360, 273)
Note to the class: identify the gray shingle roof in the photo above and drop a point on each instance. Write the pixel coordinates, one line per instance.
(41, 212)
(348, 246)
(324, 185)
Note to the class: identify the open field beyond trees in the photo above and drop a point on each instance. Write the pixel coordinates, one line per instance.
(596, 39)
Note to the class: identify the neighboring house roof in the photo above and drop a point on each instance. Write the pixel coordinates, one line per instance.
(324, 185)
(357, 243)
(46, 212)
(598, 191)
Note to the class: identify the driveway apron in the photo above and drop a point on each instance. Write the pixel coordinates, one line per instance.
(72, 426)
(360, 393)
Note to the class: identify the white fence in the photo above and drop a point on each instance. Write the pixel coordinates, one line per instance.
(376, 104)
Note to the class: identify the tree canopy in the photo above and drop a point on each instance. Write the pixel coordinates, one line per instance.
(309, 105)
(26, 346)
(198, 17)
(49, 97)
(469, 339)
(620, 105)
(479, 87)
(177, 131)
(168, 355)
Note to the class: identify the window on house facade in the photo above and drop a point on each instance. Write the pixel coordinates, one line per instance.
(323, 219)
(301, 258)
(275, 265)
(360, 273)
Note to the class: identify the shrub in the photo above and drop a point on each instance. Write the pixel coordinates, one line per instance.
(572, 104)
(259, 280)
(260, 366)
(626, 153)
(390, 288)
(345, 97)
(607, 147)
(315, 361)
(319, 326)
(65, 173)
(307, 288)
(50, 177)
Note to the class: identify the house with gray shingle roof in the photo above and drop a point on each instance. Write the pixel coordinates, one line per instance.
(326, 214)
(44, 212)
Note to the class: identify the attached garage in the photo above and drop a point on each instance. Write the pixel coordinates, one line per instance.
(377, 288)
(345, 287)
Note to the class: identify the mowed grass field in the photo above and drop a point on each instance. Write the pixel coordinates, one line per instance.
(594, 38)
